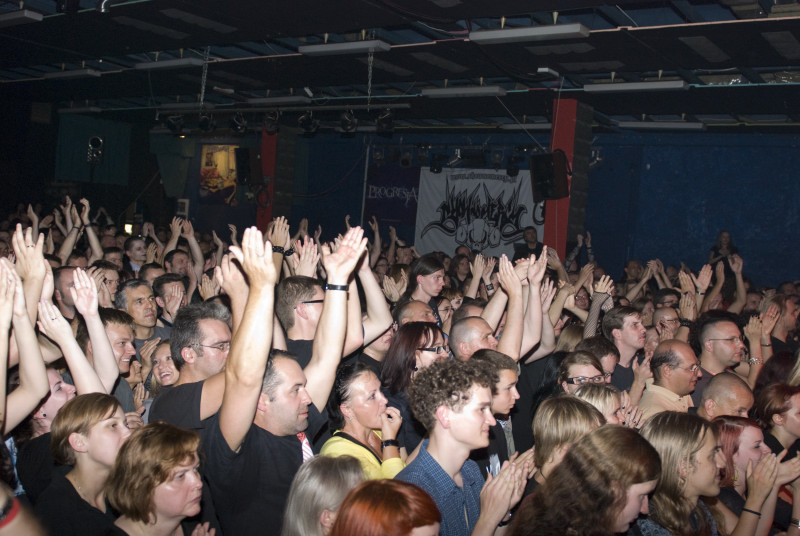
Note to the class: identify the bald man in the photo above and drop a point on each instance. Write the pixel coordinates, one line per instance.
(469, 335)
(675, 371)
(726, 394)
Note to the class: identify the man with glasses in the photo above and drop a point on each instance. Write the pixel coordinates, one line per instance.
(675, 374)
(721, 347)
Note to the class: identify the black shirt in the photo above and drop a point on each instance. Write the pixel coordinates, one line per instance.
(36, 467)
(491, 458)
(180, 405)
(64, 513)
(411, 430)
(250, 487)
(302, 351)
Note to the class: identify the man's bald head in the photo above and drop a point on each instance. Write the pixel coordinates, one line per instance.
(413, 311)
(726, 394)
(469, 335)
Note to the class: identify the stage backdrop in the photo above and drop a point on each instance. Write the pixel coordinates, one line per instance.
(483, 209)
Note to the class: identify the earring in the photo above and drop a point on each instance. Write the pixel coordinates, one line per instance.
(44, 414)
(415, 368)
(736, 474)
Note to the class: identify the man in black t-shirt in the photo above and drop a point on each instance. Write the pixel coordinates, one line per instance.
(258, 441)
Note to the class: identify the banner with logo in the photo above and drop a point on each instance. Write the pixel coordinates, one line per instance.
(483, 209)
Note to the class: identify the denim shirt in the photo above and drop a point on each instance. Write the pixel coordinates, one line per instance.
(460, 507)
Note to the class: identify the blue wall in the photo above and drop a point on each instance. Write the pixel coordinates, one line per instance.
(668, 196)
(653, 195)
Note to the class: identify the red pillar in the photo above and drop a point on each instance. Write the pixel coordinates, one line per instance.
(562, 137)
(269, 146)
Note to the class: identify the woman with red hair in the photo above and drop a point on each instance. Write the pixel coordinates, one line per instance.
(387, 508)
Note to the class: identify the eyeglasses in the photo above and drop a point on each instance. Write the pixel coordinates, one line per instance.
(730, 339)
(445, 309)
(607, 375)
(693, 369)
(309, 301)
(580, 380)
(436, 349)
(220, 347)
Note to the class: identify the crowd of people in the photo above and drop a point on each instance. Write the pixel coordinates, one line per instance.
(169, 382)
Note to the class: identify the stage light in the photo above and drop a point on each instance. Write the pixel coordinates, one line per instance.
(238, 123)
(308, 124)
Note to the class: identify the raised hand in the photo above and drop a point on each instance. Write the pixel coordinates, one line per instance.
(340, 264)
(84, 292)
(588, 239)
(537, 268)
(209, 287)
(391, 290)
(605, 285)
(234, 233)
(306, 257)
(279, 233)
(230, 276)
(258, 266)
(687, 285)
(187, 230)
(736, 263)
(52, 324)
(477, 266)
(703, 278)
(217, 240)
(373, 224)
(687, 307)
(508, 278)
(151, 253)
(768, 320)
(489, 268)
(579, 239)
(761, 478)
(148, 229)
(547, 292)
(347, 222)
(8, 286)
(147, 349)
(175, 226)
(85, 217)
(29, 254)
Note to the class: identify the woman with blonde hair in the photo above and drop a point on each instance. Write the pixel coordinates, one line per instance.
(559, 422)
(569, 338)
(317, 492)
(156, 483)
(600, 487)
(691, 460)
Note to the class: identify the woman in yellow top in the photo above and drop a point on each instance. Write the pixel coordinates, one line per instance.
(365, 427)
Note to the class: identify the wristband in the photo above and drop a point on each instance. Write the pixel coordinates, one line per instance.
(686, 323)
(507, 521)
(289, 252)
(337, 287)
(489, 287)
(700, 293)
(751, 512)
(755, 361)
(795, 522)
(277, 249)
(390, 443)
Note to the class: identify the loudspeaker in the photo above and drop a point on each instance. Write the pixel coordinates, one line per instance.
(248, 165)
(549, 176)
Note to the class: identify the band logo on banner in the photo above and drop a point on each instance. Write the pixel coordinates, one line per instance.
(485, 210)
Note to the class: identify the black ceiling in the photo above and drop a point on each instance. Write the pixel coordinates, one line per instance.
(740, 59)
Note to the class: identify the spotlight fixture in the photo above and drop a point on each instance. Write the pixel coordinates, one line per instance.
(384, 123)
(174, 123)
(308, 124)
(238, 123)
(456, 160)
(206, 122)
(95, 152)
(348, 123)
(271, 124)
(436, 165)
(513, 164)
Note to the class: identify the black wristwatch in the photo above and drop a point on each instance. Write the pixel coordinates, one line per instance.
(289, 252)
(277, 249)
(390, 443)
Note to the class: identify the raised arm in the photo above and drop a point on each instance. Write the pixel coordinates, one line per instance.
(602, 292)
(71, 237)
(33, 384)
(94, 242)
(476, 267)
(548, 341)
(532, 328)
(634, 292)
(741, 294)
(84, 295)
(30, 266)
(174, 234)
(511, 340)
(376, 246)
(187, 231)
(52, 324)
(701, 283)
(247, 360)
(717, 288)
(232, 281)
(329, 338)
(379, 318)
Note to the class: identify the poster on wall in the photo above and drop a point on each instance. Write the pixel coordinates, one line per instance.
(391, 196)
(218, 174)
(483, 209)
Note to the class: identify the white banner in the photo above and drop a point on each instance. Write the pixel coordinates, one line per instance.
(484, 209)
